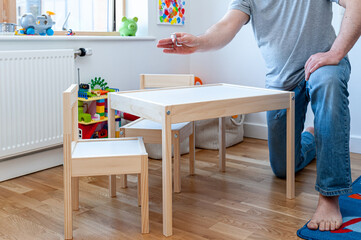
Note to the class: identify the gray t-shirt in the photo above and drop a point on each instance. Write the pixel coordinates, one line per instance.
(288, 32)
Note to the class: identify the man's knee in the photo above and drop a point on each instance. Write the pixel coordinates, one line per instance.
(328, 79)
(328, 87)
(278, 162)
(279, 172)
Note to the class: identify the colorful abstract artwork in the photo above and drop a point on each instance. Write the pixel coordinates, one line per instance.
(172, 12)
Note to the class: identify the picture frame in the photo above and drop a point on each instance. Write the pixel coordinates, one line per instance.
(172, 12)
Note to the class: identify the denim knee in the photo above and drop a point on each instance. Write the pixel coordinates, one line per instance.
(279, 172)
(329, 79)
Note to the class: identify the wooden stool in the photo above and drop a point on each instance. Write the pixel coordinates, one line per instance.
(95, 157)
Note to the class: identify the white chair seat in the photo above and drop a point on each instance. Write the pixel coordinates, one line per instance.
(107, 148)
(148, 124)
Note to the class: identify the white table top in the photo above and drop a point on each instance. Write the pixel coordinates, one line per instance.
(197, 94)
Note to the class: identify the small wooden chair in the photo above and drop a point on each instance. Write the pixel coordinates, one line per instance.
(152, 131)
(98, 157)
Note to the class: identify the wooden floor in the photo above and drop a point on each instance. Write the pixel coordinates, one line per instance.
(246, 202)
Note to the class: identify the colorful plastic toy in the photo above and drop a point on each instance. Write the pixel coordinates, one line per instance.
(70, 32)
(96, 117)
(87, 131)
(129, 26)
(20, 31)
(197, 81)
(98, 83)
(83, 117)
(118, 123)
(84, 88)
(100, 108)
(92, 113)
(41, 25)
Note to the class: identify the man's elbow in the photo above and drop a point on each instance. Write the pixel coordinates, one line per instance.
(346, 3)
(343, 3)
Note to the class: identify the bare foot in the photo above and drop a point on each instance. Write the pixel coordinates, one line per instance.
(311, 130)
(327, 216)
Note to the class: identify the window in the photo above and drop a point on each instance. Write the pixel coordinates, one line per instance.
(81, 15)
(84, 15)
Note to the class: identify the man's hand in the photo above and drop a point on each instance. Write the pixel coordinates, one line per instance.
(216, 37)
(189, 44)
(319, 60)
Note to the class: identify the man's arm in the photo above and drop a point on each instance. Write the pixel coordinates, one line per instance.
(349, 34)
(218, 36)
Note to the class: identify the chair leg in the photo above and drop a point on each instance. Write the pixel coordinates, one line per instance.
(177, 175)
(75, 193)
(192, 151)
(112, 186)
(144, 196)
(139, 190)
(68, 211)
(123, 181)
(222, 144)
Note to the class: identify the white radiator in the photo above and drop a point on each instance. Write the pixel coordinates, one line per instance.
(31, 86)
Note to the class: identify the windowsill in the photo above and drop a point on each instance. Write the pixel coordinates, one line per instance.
(75, 38)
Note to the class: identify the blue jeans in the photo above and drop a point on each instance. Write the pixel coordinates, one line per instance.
(328, 94)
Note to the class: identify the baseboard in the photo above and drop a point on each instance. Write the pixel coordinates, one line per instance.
(255, 130)
(31, 163)
(260, 131)
(355, 144)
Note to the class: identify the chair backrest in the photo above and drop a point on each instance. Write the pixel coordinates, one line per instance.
(70, 115)
(165, 80)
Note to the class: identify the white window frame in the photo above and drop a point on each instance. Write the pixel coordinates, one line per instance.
(8, 14)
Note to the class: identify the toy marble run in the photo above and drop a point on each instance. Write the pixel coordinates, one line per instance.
(92, 111)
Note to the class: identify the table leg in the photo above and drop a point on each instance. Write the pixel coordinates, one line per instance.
(290, 188)
(176, 163)
(111, 134)
(123, 181)
(167, 176)
(192, 149)
(222, 144)
(112, 186)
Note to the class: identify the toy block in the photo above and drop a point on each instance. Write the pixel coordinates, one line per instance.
(84, 117)
(96, 117)
(88, 130)
(101, 104)
(100, 109)
(83, 95)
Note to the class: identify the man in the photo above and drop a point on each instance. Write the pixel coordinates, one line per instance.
(302, 54)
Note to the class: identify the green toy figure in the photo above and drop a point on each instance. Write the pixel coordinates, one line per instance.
(129, 26)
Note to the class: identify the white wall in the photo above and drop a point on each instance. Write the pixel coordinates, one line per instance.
(118, 62)
(241, 63)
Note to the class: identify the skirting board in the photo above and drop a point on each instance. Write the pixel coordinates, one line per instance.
(260, 131)
(355, 144)
(31, 163)
(255, 130)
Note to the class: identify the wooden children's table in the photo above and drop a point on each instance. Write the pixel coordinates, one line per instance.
(185, 104)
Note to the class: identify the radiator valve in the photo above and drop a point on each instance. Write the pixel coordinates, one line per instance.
(82, 52)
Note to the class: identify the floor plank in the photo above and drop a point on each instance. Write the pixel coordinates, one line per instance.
(246, 202)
